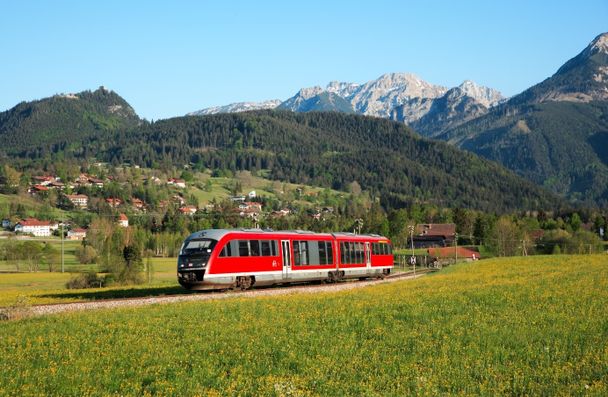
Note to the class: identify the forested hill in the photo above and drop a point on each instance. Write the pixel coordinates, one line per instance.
(326, 149)
(63, 120)
(335, 150)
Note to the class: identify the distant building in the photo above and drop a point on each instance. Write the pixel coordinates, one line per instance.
(252, 194)
(114, 202)
(6, 223)
(137, 203)
(34, 226)
(177, 183)
(123, 220)
(188, 210)
(78, 200)
(44, 180)
(434, 235)
(77, 234)
(37, 189)
(250, 209)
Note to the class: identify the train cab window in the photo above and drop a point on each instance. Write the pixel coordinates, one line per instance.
(389, 249)
(254, 247)
(198, 246)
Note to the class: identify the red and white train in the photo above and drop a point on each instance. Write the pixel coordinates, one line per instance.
(241, 258)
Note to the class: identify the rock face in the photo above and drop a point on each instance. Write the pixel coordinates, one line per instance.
(432, 116)
(238, 107)
(401, 97)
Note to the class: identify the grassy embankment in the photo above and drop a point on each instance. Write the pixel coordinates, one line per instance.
(511, 326)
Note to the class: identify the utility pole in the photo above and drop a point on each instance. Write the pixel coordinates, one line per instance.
(62, 260)
(455, 247)
(413, 259)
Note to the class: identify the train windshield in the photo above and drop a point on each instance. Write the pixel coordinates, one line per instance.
(198, 246)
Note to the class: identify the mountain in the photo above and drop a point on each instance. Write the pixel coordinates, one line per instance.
(61, 119)
(238, 107)
(402, 97)
(432, 116)
(316, 99)
(554, 133)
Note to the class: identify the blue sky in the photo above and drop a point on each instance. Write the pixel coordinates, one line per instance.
(168, 58)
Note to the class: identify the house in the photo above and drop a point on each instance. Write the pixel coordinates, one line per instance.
(280, 213)
(251, 194)
(250, 209)
(177, 183)
(178, 199)
(188, 210)
(34, 226)
(123, 220)
(78, 200)
(77, 234)
(137, 203)
(37, 189)
(44, 180)
(114, 202)
(450, 252)
(56, 185)
(434, 235)
(6, 223)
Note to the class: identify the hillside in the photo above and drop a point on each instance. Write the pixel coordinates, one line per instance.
(554, 133)
(333, 150)
(62, 120)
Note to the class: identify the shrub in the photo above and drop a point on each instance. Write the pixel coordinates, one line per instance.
(86, 254)
(85, 280)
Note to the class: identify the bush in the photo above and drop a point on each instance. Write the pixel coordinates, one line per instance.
(85, 280)
(86, 254)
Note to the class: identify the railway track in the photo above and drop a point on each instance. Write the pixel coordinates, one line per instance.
(39, 310)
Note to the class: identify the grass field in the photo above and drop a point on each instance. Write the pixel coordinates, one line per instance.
(514, 326)
(43, 287)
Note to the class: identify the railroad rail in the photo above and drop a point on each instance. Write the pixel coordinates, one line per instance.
(54, 308)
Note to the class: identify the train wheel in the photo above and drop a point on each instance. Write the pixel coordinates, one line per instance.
(244, 282)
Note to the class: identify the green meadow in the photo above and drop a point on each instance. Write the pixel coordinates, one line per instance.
(509, 326)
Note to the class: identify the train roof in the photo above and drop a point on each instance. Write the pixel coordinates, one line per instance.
(217, 234)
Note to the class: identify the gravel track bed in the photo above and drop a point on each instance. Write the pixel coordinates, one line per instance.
(203, 296)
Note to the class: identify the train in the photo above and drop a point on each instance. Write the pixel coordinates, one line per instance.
(242, 258)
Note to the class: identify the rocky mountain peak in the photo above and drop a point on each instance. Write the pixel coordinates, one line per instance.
(309, 92)
(484, 95)
(599, 44)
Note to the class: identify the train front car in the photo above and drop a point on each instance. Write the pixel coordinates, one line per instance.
(194, 258)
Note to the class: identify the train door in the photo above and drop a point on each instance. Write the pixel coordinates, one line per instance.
(286, 256)
(368, 256)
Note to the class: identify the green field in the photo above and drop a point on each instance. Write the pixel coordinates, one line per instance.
(511, 326)
(43, 287)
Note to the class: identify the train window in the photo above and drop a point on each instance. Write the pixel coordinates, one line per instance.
(226, 251)
(389, 249)
(325, 253)
(313, 252)
(273, 246)
(359, 252)
(342, 252)
(300, 253)
(254, 247)
(243, 248)
(198, 246)
(266, 248)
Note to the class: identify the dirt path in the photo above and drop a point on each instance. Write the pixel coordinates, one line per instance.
(203, 296)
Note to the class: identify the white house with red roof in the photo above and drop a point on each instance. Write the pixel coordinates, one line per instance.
(123, 220)
(78, 200)
(188, 210)
(34, 226)
(77, 234)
